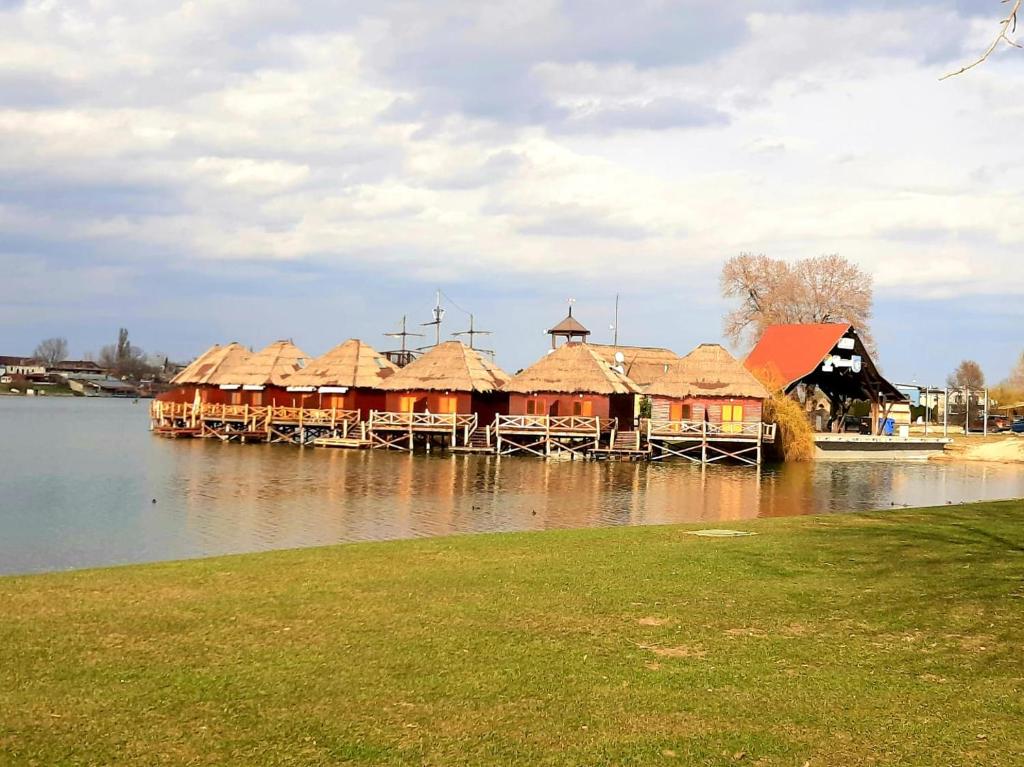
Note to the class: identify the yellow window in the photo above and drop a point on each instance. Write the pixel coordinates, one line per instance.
(448, 404)
(583, 407)
(406, 404)
(679, 412)
(732, 418)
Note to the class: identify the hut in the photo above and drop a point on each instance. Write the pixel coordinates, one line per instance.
(198, 375)
(449, 386)
(348, 377)
(568, 401)
(260, 379)
(570, 329)
(708, 384)
(707, 405)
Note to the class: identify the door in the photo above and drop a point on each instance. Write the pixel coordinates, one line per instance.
(678, 412)
(448, 404)
(732, 419)
(583, 407)
(406, 404)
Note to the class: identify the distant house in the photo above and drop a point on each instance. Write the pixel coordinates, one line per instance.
(68, 368)
(21, 366)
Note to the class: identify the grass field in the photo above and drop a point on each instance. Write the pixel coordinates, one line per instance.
(886, 638)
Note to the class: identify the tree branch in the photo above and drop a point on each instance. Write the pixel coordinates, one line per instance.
(1007, 27)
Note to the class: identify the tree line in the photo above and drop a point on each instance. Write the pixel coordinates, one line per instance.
(121, 359)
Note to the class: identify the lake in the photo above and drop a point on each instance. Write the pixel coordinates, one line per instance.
(79, 477)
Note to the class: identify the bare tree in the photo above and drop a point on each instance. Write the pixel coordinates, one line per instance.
(51, 351)
(1006, 28)
(812, 290)
(968, 375)
(123, 359)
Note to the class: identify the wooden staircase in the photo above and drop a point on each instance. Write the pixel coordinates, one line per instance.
(626, 442)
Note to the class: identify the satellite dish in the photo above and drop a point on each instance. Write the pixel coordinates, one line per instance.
(620, 357)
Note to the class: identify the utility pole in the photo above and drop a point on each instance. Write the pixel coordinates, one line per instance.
(615, 327)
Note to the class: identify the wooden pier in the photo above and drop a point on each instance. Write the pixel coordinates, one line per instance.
(539, 435)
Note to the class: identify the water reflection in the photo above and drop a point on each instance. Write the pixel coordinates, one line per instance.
(78, 479)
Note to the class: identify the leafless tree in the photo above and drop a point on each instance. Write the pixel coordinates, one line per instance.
(51, 351)
(968, 375)
(123, 359)
(1006, 28)
(812, 290)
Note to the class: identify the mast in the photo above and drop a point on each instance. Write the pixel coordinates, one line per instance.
(403, 356)
(615, 327)
(472, 333)
(436, 322)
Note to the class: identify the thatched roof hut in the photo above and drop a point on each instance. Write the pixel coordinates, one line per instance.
(351, 364)
(573, 368)
(268, 367)
(643, 364)
(208, 365)
(451, 366)
(708, 371)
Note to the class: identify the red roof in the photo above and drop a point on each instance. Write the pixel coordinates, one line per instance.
(787, 353)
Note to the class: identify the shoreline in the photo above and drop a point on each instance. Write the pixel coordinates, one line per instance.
(887, 636)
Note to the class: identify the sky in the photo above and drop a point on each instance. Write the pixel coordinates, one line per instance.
(203, 172)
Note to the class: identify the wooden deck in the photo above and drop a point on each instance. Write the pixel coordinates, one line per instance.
(704, 442)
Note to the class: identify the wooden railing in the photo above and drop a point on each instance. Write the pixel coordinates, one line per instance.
(662, 427)
(549, 424)
(307, 416)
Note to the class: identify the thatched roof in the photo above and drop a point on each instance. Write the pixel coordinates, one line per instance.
(451, 366)
(573, 368)
(643, 364)
(211, 363)
(352, 363)
(708, 371)
(267, 367)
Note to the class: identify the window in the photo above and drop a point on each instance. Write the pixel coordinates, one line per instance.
(536, 407)
(679, 412)
(406, 404)
(448, 404)
(732, 418)
(583, 407)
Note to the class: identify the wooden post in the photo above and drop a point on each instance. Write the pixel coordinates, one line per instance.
(704, 442)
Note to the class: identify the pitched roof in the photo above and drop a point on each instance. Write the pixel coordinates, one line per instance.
(787, 353)
(451, 366)
(708, 371)
(351, 363)
(569, 326)
(267, 367)
(211, 363)
(641, 363)
(573, 368)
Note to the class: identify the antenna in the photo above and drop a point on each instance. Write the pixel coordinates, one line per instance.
(404, 355)
(615, 326)
(472, 333)
(436, 322)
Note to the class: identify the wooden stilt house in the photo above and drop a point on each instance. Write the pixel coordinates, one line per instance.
(706, 406)
(448, 392)
(572, 400)
(260, 380)
(199, 374)
(348, 377)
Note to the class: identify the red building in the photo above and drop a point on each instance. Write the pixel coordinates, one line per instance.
(260, 379)
(348, 377)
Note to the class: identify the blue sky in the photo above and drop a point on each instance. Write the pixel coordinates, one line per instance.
(214, 171)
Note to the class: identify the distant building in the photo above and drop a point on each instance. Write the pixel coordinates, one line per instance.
(21, 366)
(68, 368)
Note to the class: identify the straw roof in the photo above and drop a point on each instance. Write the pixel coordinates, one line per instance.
(574, 368)
(643, 364)
(451, 366)
(210, 363)
(708, 371)
(267, 367)
(352, 363)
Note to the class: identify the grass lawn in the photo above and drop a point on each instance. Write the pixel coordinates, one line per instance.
(886, 638)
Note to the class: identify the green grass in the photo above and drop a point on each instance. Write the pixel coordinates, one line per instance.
(886, 638)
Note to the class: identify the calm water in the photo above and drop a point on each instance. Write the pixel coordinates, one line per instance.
(78, 477)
